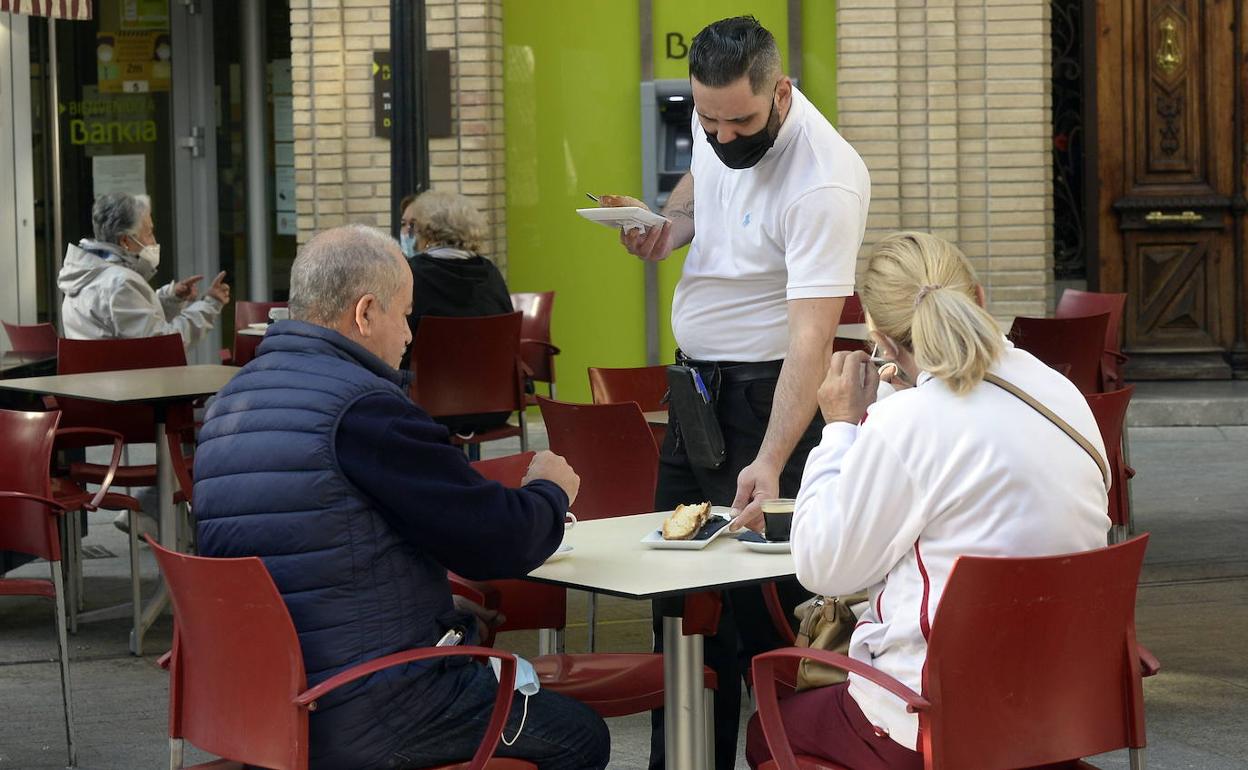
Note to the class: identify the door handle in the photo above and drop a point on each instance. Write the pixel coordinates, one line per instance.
(1186, 217)
(194, 142)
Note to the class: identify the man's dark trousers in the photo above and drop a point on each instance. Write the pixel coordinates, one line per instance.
(743, 399)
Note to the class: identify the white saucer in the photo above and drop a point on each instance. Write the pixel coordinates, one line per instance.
(559, 553)
(261, 325)
(766, 547)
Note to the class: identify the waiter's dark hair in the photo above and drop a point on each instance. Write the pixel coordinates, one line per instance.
(729, 48)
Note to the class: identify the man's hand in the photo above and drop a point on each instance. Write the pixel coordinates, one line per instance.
(487, 620)
(186, 290)
(757, 482)
(220, 290)
(849, 387)
(551, 467)
(652, 244)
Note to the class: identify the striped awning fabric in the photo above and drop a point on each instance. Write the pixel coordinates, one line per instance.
(57, 9)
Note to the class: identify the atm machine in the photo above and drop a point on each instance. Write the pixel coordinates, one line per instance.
(666, 141)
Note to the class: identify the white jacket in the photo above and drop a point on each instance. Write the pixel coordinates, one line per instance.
(930, 476)
(107, 297)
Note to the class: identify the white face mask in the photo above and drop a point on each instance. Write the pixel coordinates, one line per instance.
(149, 254)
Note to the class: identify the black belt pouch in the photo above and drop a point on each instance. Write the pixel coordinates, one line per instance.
(695, 414)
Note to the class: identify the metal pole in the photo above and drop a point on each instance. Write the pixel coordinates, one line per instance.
(409, 139)
(684, 724)
(645, 18)
(255, 142)
(54, 138)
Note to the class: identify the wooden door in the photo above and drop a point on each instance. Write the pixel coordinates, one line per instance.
(1167, 161)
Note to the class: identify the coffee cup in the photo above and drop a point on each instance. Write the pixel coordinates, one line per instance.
(279, 314)
(569, 521)
(778, 519)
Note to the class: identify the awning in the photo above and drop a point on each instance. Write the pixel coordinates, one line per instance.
(56, 9)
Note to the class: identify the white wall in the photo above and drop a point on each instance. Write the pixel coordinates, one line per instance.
(17, 196)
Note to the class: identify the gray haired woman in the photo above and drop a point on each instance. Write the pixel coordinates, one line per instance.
(105, 281)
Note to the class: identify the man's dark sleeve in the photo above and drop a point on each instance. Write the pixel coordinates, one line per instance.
(425, 488)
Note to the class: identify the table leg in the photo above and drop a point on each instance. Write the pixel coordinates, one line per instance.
(684, 723)
(168, 531)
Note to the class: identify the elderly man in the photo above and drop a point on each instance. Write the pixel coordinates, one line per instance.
(314, 459)
(105, 281)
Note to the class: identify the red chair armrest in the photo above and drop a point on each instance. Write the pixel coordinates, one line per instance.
(478, 591)
(551, 349)
(113, 463)
(779, 619)
(1117, 356)
(764, 668)
(1127, 469)
(1149, 665)
(502, 701)
(55, 507)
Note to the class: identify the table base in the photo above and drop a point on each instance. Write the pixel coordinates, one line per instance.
(686, 733)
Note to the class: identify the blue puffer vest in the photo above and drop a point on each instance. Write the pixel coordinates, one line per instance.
(268, 484)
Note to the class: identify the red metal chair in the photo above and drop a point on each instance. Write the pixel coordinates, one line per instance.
(1075, 303)
(998, 693)
(34, 338)
(1110, 410)
(245, 345)
(645, 385)
(470, 366)
(852, 312)
(1078, 342)
(28, 524)
(237, 686)
(535, 346)
(96, 423)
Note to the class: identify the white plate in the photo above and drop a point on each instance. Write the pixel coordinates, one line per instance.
(766, 547)
(654, 539)
(559, 553)
(627, 217)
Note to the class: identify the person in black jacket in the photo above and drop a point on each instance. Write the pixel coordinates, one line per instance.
(451, 278)
(314, 459)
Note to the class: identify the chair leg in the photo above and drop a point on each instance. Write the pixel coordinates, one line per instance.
(175, 754)
(63, 643)
(1118, 533)
(524, 432)
(1139, 761)
(78, 589)
(136, 592)
(67, 572)
(553, 397)
(1126, 459)
(708, 709)
(591, 620)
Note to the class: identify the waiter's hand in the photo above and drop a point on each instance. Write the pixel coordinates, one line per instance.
(849, 387)
(757, 482)
(652, 244)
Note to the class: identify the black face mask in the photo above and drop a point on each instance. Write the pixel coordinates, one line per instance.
(747, 151)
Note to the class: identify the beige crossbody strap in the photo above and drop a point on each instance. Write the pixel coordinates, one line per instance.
(1026, 398)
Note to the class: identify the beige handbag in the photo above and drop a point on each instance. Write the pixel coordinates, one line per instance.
(826, 623)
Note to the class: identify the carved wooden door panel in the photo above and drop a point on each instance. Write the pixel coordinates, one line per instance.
(1166, 103)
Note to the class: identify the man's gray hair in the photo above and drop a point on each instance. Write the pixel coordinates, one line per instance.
(340, 265)
(118, 213)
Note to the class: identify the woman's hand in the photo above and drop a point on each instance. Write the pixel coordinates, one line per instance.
(849, 387)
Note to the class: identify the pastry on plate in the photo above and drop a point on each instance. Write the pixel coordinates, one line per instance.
(685, 521)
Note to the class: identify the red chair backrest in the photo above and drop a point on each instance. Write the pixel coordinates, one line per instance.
(646, 385)
(1033, 661)
(611, 448)
(1076, 304)
(467, 365)
(26, 526)
(1110, 410)
(237, 666)
(537, 308)
(136, 423)
(852, 312)
(526, 604)
(253, 312)
(35, 338)
(1075, 341)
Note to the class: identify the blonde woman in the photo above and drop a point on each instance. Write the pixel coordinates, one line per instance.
(898, 489)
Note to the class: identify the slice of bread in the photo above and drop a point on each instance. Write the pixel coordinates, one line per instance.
(685, 521)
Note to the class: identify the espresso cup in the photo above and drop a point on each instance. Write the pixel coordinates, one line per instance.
(279, 314)
(777, 519)
(569, 521)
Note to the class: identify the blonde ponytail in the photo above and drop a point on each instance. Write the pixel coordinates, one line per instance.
(920, 290)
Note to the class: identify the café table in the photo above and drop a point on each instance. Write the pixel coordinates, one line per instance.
(158, 388)
(608, 557)
(656, 418)
(251, 332)
(853, 332)
(13, 364)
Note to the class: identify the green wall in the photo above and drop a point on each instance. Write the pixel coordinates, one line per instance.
(572, 108)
